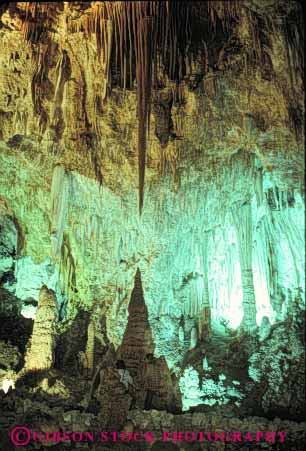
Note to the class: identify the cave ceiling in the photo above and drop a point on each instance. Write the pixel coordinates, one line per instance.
(227, 77)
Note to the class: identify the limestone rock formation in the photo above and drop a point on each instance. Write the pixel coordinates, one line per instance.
(40, 354)
(163, 139)
(277, 365)
(9, 356)
(72, 342)
(227, 100)
(90, 347)
(137, 341)
(113, 400)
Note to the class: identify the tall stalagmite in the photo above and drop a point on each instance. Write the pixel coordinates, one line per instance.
(137, 340)
(40, 355)
(90, 347)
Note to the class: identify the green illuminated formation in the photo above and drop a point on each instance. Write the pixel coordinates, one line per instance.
(152, 214)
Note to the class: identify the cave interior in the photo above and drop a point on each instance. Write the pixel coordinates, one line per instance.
(152, 249)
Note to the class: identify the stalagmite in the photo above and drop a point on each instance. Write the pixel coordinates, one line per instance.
(204, 323)
(40, 355)
(265, 328)
(138, 343)
(193, 338)
(181, 336)
(204, 316)
(206, 302)
(205, 365)
(137, 340)
(90, 347)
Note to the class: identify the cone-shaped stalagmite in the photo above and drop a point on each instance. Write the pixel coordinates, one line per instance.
(137, 340)
(137, 343)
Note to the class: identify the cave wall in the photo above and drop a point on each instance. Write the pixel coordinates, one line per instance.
(101, 246)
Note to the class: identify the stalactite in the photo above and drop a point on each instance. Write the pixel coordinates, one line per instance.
(67, 269)
(63, 72)
(60, 191)
(144, 75)
(265, 250)
(242, 218)
(38, 18)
